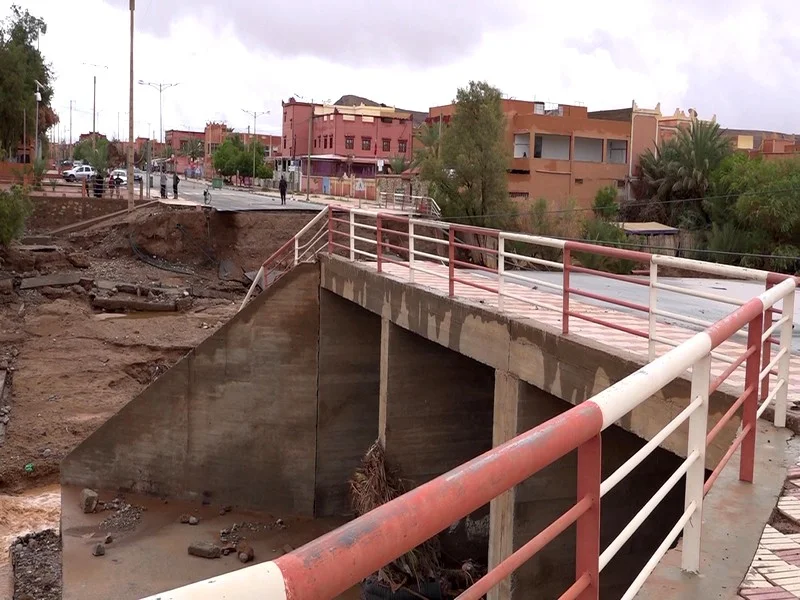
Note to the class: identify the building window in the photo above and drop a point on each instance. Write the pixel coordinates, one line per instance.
(325, 140)
(551, 146)
(284, 116)
(387, 145)
(349, 142)
(522, 145)
(212, 148)
(284, 142)
(366, 143)
(402, 146)
(579, 182)
(588, 149)
(315, 143)
(184, 145)
(620, 183)
(330, 141)
(618, 152)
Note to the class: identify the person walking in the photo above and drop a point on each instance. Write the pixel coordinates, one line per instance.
(282, 185)
(175, 181)
(163, 183)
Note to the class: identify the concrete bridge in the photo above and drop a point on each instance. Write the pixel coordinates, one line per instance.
(489, 388)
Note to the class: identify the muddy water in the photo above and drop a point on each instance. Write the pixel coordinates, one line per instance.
(34, 510)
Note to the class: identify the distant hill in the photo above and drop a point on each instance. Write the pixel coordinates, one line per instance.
(417, 116)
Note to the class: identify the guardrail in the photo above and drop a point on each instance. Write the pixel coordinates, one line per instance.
(333, 563)
(422, 205)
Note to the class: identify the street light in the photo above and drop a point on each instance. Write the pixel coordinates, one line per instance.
(160, 87)
(94, 98)
(38, 96)
(255, 114)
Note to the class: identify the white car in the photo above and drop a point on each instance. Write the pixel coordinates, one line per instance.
(79, 173)
(121, 175)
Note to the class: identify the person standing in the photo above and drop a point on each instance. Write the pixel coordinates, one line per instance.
(282, 185)
(175, 181)
(163, 183)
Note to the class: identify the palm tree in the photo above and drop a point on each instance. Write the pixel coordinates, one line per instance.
(702, 149)
(428, 136)
(398, 164)
(194, 149)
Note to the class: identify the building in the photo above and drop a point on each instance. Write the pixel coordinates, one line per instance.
(341, 140)
(211, 138)
(560, 151)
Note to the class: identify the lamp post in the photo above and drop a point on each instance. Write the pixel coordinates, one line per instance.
(36, 131)
(94, 99)
(160, 87)
(255, 115)
(130, 118)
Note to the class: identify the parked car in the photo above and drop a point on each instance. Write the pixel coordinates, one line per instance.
(79, 173)
(138, 174)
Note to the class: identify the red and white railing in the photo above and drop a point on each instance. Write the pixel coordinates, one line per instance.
(330, 565)
(421, 205)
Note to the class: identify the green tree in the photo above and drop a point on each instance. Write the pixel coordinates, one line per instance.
(103, 156)
(398, 164)
(682, 168)
(605, 204)
(228, 157)
(469, 179)
(14, 210)
(194, 149)
(21, 65)
(428, 137)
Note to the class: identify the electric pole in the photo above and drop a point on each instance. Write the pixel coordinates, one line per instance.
(310, 136)
(160, 87)
(130, 120)
(70, 128)
(94, 100)
(255, 115)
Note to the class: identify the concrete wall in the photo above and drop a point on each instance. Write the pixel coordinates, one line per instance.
(235, 419)
(347, 416)
(571, 368)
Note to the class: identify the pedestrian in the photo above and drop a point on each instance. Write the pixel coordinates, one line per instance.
(163, 184)
(175, 181)
(282, 187)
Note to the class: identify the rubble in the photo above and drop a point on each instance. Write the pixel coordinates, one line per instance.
(193, 520)
(36, 564)
(245, 552)
(88, 501)
(98, 550)
(125, 517)
(238, 531)
(56, 280)
(205, 550)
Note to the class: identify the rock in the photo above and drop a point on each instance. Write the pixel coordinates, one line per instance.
(183, 304)
(6, 286)
(221, 511)
(46, 452)
(185, 518)
(108, 539)
(244, 552)
(78, 289)
(88, 500)
(99, 550)
(227, 509)
(204, 550)
(193, 520)
(53, 292)
(79, 260)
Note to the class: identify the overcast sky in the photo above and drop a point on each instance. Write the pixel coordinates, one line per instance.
(734, 58)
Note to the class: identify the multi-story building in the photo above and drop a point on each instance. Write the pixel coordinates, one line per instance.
(338, 140)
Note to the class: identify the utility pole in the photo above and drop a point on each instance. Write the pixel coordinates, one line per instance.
(310, 136)
(70, 128)
(160, 87)
(94, 100)
(255, 115)
(130, 120)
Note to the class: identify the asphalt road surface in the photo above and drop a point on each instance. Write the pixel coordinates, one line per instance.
(239, 200)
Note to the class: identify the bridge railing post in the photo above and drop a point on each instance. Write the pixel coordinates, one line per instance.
(766, 347)
(652, 306)
(567, 261)
(501, 268)
(451, 255)
(695, 476)
(352, 235)
(331, 225)
(411, 250)
(750, 405)
(781, 398)
(379, 242)
(587, 548)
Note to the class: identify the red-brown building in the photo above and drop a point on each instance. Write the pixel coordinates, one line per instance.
(344, 140)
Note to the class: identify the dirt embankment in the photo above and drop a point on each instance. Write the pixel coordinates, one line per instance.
(71, 366)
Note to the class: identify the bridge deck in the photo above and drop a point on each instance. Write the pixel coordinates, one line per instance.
(579, 327)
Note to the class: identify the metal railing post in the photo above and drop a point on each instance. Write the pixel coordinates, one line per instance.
(451, 253)
(501, 268)
(352, 235)
(411, 251)
(766, 348)
(695, 476)
(330, 231)
(653, 305)
(587, 553)
(781, 399)
(750, 405)
(379, 242)
(566, 261)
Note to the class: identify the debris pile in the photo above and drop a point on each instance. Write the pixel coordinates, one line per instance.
(36, 561)
(125, 517)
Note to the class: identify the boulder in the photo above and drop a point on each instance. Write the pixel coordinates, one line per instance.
(88, 501)
(205, 550)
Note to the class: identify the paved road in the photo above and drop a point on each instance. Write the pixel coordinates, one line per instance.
(699, 308)
(239, 200)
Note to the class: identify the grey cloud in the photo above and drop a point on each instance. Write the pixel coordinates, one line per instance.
(623, 51)
(354, 32)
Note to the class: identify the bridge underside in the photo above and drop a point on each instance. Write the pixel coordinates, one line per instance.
(275, 410)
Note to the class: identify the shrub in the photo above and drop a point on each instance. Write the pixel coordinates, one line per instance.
(603, 233)
(14, 210)
(605, 204)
